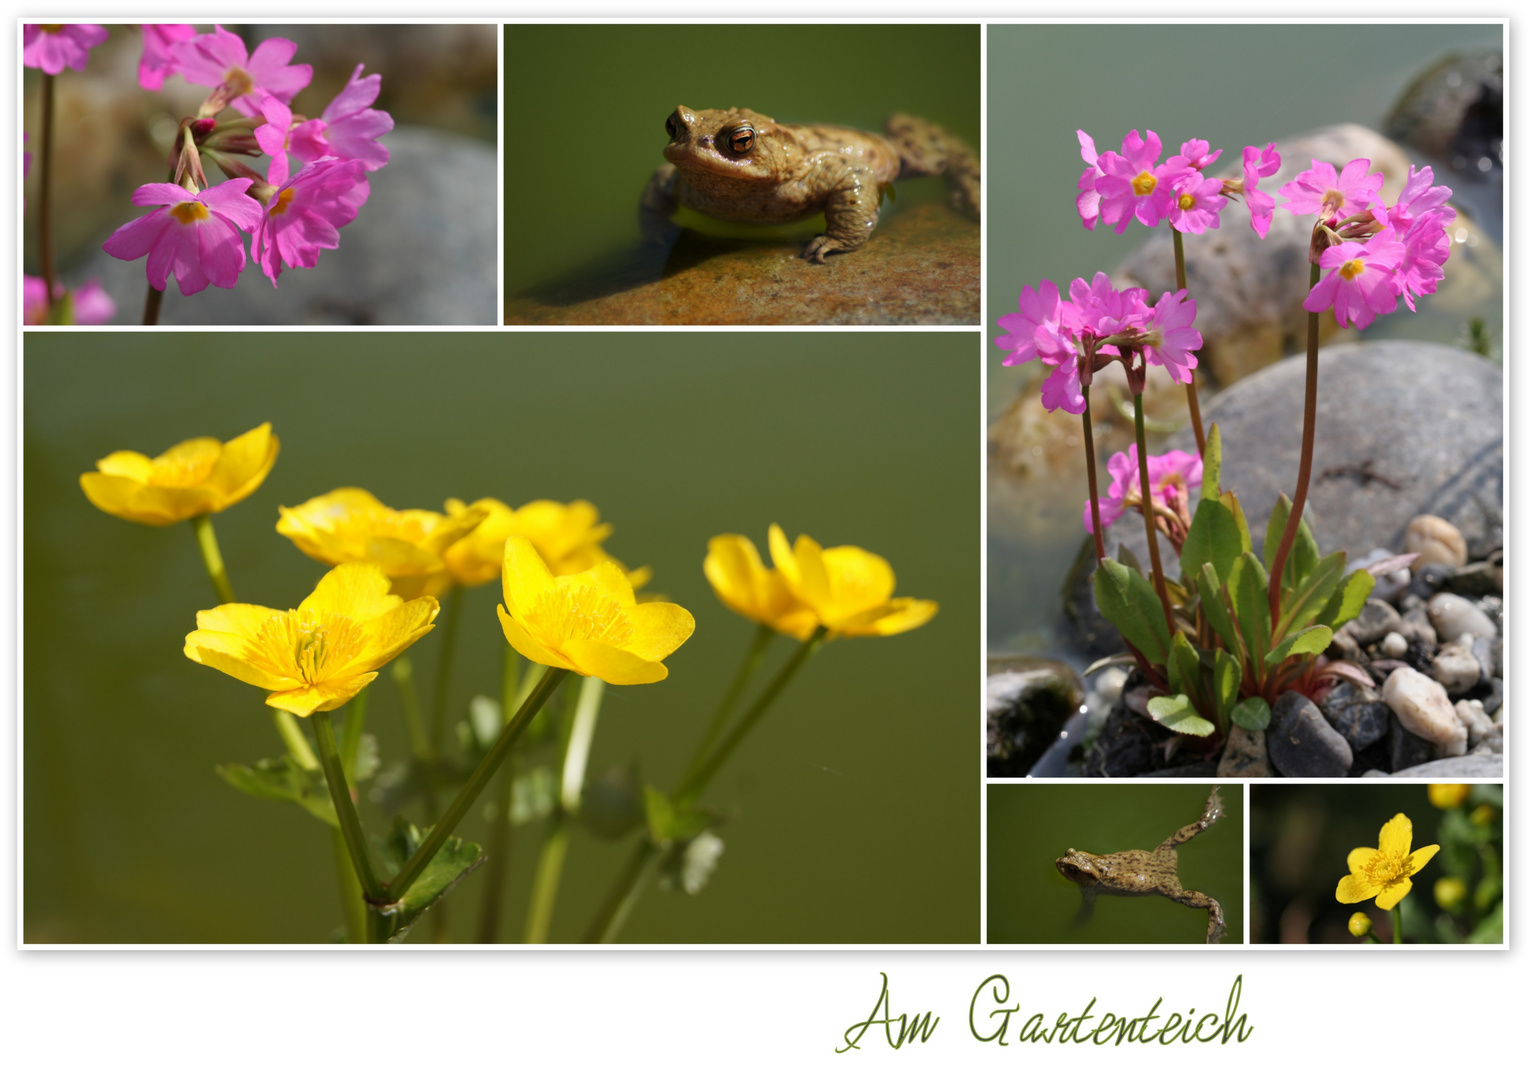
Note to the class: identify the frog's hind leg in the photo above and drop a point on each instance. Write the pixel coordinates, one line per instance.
(1214, 809)
(1085, 912)
(1217, 928)
(927, 150)
(660, 201)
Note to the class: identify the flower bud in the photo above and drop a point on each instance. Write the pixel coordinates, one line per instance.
(1359, 924)
(1483, 815)
(1447, 796)
(1450, 892)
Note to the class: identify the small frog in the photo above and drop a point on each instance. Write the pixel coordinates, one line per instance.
(1146, 873)
(739, 165)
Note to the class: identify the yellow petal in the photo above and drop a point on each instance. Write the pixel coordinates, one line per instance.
(781, 555)
(174, 504)
(615, 666)
(243, 464)
(325, 697)
(527, 646)
(896, 617)
(1422, 856)
(128, 464)
(389, 634)
(1361, 857)
(359, 590)
(1355, 889)
(245, 620)
(1395, 836)
(525, 575)
(737, 574)
(812, 583)
(658, 629)
(1393, 894)
(610, 578)
(114, 494)
(797, 622)
(859, 580)
(226, 653)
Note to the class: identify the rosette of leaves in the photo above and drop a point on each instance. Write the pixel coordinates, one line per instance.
(1227, 659)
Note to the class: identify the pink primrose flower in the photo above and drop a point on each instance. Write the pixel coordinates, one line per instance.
(1319, 190)
(157, 63)
(220, 59)
(55, 46)
(1258, 165)
(1421, 268)
(1170, 334)
(304, 216)
(1062, 388)
(1196, 203)
(1194, 154)
(1037, 309)
(1360, 285)
(1172, 474)
(354, 126)
(1420, 197)
(286, 143)
(1087, 193)
(91, 305)
(194, 235)
(1133, 184)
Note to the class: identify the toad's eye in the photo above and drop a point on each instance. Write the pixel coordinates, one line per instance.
(741, 140)
(671, 125)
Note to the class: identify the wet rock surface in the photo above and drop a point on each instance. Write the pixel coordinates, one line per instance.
(1028, 704)
(1453, 111)
(1302, 743)
(922, 266)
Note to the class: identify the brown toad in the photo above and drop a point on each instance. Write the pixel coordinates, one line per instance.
(1146, 873)
(739, 165)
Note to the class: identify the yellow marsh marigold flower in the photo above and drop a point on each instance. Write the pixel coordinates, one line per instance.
(847, 589)
(589, 623)
(1360, 924)
(745, 585)
(352, 525)
(198, 476)
(319, 656)
(1384, 874)
(1447, 796)
(566, 535)
(1450, 892)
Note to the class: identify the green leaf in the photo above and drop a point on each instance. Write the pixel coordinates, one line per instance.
(1227, 683)
(1209, 489)
(1126, 599)
(1299, 606)
(1183, 667)
(666, 822)
(1178, 715)
(1252, 714)
(1212, 602)
(1229, 500)
(1212, 538)
(1127, 557)
(1311, 640)
(283, 781)
(1303, 556)
(1248, 585)
(1348, 600)
(455, 860)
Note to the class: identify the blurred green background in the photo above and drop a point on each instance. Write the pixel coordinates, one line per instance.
(854, 812)
(584, 108)
(1232, 84)
(1030, 826)
(1301, 836)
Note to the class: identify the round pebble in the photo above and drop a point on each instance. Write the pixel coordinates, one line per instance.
(1393, 645)
(1436, 540)
(1423, 708)
(1454, 616)
(1455, 667)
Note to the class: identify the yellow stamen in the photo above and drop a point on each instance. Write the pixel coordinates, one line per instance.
(582, 614)
(1144, 183)
(310, 649)
(1352, 268)
(189, 213)
(238, 82)
(282, 200)
(1185, 202)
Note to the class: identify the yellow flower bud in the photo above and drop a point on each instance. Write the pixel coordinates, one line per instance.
(1483, 815)
(1447, 796)
(1450, 892)
(1359, 924)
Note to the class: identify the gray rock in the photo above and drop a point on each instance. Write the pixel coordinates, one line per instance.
(1435, 540)
(1482, 729)
(1454, 616)
(1026, 710)
(1416, 627)
(1344, 647)
(1453, 111)
(1463, 768)
(422, 251)
(1487, 654)
(1430, 578)
(1477, 578)
(1405, 750)
(1246, 755)
(1423, 708)
(1302, 743)
(1357, 714)
(1492, 701)
(1376, 620)
(1455, 667)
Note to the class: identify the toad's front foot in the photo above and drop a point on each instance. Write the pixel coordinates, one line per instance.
(821, 246)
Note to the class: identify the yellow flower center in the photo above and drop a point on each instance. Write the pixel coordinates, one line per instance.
(238, 82)
(282, 200)
(310, 646)
(1144, 183)
(1352, 268)
(1387, 869)
(581, 614)
(189, 213)
(1185, 202)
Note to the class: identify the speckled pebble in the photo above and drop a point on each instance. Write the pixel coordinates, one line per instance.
(1453, 616)
(1423, 708)
(1436, 540)
(1417, 627)
(1455, 667)
(1375, 621)
(1482, 730)
(1357, 714)
(1246, 755)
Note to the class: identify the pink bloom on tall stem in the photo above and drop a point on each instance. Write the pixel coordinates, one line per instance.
(1319, 190)
(354, 126)
(157, 63)
(278, 138)
(1172, 474)
(1170, 334)
(55, 46)
(1133, 184)
(305, 214)
(1062, 388)
(1087, 192)
(220, 59)
(1196, 203)
(1037, 308)
(1421, 269)
(90, 304)
(1258, 165)
(1420, 197)
(1194, 154)
(1360, 284)
(194, 235)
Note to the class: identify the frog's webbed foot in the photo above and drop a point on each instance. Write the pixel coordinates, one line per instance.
(1085, 912)
(658, 205)
(927, 149)
(1214, 810)
(852, 211)
(1217, 928)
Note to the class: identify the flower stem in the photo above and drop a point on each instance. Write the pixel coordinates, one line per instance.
(441, 831)
(1087, 449)
(499, 845)
(296, 743)
(1307, 454)
(1189, 387)
(761, 641)
(207, 540)
(1158, 578)
(344, 809)
(151, 304)
(554, 850)
(1395, 925)
(419, 742)
(45, 198)
(352, 901)
(453, 607)
(355, 723)
(618, 905)
(696, 778)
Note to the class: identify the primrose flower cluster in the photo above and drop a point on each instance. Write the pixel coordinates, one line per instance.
(314, 184)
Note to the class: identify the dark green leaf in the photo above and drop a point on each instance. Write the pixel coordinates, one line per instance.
(1303, 556)
(1183, 662)
(1212, 538)
(1127, 557)
(1347, 600)
(1299, 606)
(1252, 713)
(283, 781)
(1248, 586)
(1212, 602)
(1178, 715)
(1210, 487)
(1311, 640)
(455, 860)
(1229, 500)
(1490, 930)
(1126, 599)
(1227, 683)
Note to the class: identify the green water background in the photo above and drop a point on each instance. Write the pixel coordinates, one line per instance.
(584, 108)
(853, 807)
(1234, 85)
(1030, 826)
